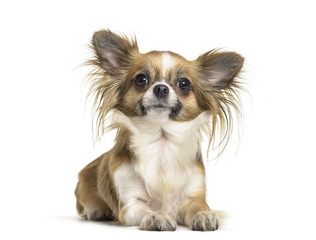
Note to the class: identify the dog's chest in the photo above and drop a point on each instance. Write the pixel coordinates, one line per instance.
(165, 162)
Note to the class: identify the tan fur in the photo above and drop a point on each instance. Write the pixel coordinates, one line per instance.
(214, 90)
(191, 207)
(95, 190)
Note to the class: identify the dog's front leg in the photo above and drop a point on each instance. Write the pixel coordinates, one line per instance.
(134, 199)
(196, 214)
(133, 211)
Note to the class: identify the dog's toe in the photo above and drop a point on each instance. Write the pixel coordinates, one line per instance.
(158, 221)
(204, 221)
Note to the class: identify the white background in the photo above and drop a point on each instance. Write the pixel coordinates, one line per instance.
(266, 190)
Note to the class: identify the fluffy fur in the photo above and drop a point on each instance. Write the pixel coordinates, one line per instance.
(154, 175)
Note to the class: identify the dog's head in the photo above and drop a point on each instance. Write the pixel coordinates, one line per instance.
(160, 82)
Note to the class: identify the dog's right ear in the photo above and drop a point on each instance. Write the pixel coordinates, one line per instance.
(113, 51)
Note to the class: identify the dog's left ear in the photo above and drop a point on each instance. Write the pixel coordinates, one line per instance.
(219, 68)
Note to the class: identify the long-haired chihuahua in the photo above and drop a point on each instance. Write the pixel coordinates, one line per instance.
(154, 176)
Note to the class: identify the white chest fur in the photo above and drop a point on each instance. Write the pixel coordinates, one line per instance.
(165, 152)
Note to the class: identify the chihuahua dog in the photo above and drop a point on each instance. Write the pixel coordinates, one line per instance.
(161, 103)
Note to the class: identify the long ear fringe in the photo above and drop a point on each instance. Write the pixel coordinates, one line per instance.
(104, 92)
(226, 106)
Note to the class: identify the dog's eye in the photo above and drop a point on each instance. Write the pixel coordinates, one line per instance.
(141, 80)
(184, 85)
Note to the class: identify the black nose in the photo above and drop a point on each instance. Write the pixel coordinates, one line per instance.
(161, 91)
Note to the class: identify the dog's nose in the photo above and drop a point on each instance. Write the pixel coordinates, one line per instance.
(161, 91)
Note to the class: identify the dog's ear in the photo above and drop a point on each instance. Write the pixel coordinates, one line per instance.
(113, 51)
(219, 68)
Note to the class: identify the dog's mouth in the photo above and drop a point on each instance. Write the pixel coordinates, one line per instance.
(157, 107)
(161, 107)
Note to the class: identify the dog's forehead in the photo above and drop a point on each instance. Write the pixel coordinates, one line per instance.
(164, 64)
(168, 63)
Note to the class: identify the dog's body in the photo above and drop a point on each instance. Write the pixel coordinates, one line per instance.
(154, 176)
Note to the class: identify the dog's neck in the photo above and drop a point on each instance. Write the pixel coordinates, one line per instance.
(155, 136)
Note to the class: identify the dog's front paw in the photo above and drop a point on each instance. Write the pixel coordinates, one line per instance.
(158, 221)
(204, 221)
